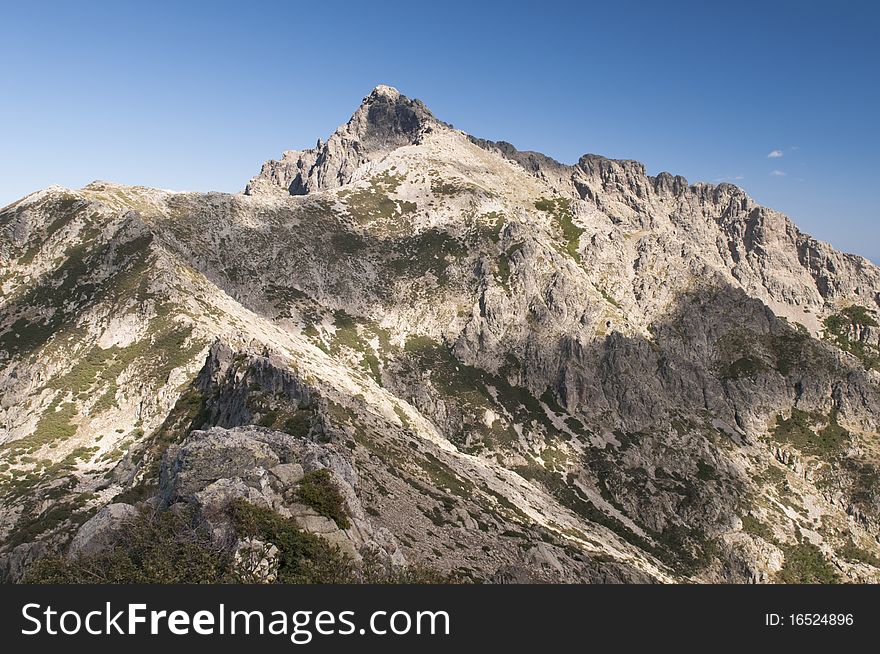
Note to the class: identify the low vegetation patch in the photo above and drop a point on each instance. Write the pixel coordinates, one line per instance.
(54, 425)
(189, 412)
(751, 525)
(302, 557)
(375, 202)
(747, 367)
(157, 547)
(468, 387)
(318, 490)
(559, 210)
(799, 431)
(161, 547)
(840, 328)
(427, 252)
(806, 564)
(853, 553)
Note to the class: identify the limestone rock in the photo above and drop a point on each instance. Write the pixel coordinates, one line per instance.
(287, 474)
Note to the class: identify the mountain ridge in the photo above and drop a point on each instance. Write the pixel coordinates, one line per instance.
(643, 379)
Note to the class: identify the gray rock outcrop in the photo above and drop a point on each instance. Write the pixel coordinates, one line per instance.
(99, 533)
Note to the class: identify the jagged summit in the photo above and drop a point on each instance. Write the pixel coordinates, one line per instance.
(384, 121)
(387, 120)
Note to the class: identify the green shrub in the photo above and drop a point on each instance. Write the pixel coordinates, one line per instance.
(753, 526)
(743, 367)
(859, 315)
(706, 472)
(852, 552)
(306, 558)
(318, 490)
(157, 547)
(54, 425)
(161, 547)
(805, 564)
(303, 557)
(799, 431)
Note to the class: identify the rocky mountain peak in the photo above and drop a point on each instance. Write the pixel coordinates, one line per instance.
(385, 120)
(385, 91)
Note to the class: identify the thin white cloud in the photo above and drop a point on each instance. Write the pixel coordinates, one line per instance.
(778, 173)
(795, 147)
(729, 179)
(775, 154)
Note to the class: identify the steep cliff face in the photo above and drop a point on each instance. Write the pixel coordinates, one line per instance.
(533, 370)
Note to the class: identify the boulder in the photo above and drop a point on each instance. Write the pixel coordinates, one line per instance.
(98, 534)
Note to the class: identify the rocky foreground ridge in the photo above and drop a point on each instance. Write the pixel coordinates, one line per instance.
(414, 348)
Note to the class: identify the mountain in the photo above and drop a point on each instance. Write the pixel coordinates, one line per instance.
(441, 353)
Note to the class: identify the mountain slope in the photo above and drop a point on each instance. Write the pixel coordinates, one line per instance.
(535, 371)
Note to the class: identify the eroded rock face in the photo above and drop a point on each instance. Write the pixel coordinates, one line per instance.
(515, 369)
(217, 455)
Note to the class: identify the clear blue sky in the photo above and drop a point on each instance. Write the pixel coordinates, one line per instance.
(195, 96)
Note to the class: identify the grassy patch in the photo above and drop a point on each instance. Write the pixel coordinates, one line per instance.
(375, 202)
(610, 300)
(347, 335)
(442, 476)
(495, 221)
(503, 266)
(706, 472)
(347, 242)
(54, 425)
(25, 336)
(854, 553)
(445, 187)
(427, 252)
